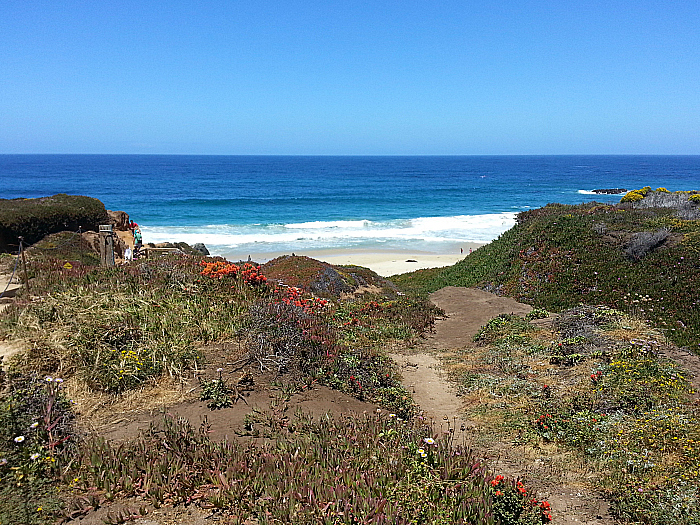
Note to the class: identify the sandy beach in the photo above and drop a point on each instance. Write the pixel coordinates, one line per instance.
(384, 262)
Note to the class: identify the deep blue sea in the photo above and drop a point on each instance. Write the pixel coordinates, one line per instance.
(239, 205)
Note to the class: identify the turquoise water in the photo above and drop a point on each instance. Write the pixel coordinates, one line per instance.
(238, 205)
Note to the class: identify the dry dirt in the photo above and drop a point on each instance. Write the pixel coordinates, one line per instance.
(9, 285)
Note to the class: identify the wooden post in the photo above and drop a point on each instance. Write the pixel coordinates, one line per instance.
(106, 245)
(24, 262)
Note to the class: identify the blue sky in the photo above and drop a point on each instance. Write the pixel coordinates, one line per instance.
(355, 77)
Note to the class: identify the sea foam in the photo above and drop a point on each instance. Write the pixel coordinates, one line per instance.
(424, 233)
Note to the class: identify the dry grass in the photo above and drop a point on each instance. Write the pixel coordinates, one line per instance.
(96, 409)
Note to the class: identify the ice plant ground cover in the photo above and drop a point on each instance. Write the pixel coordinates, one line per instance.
(561, 255)
(619, 413)
(114, 330)
(349, 470)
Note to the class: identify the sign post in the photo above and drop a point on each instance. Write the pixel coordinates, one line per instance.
(106, 245)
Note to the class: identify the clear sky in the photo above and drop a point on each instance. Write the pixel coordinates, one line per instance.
(350, 77)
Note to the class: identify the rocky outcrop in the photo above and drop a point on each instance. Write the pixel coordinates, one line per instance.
(92, 241)
(679, 200)
(119, 220)
(198, 246)
(611, 191)
(329, 283)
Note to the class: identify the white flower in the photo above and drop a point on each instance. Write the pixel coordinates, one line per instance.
(34, 425)
(19, 439)
(3, 461)
(420, 451)
(48, 379)
(58, 380)
(34, 456)
(392, 415)
(219, 369)
(429, 441)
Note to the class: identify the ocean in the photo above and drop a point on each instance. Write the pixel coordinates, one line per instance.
(268, 205)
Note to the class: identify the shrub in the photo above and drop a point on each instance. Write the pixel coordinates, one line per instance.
(633, 196)
(37, 438)
(537, 313)
(33, 219)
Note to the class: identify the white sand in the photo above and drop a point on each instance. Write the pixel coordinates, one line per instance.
(385, 263)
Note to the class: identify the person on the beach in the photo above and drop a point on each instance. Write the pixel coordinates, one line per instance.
(128, 254)
(137, 240)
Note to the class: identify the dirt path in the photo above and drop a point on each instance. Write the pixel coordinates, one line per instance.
(466, 311)
(9, 286)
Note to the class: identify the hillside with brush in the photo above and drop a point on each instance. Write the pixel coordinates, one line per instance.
(110, 358)
(641, 256)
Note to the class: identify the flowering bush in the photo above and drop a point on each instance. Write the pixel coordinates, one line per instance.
(295, 297)
(513, 506)
(250, 273)
(632, 196)
(36, 438)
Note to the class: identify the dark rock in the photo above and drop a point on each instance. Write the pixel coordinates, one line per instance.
(200, 248)
(611, 191)
(330, 283)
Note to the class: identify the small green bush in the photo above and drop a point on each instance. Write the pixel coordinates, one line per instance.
(33, 219)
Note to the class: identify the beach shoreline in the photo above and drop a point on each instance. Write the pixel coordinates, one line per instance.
(385, 262)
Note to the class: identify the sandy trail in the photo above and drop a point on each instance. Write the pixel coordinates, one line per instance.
(466, 311)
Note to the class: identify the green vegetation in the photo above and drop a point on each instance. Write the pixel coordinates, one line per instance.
(592, 391)
(35, 218)
(114, 330)
(376, 468)
(623, 411)
(37, 436)
(638, 260)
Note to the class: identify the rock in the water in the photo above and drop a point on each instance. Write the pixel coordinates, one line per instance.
(611, 191)
(200, 248)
